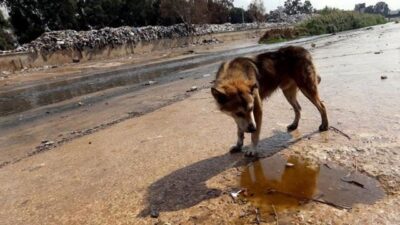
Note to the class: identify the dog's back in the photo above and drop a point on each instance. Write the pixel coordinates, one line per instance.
(282, 67)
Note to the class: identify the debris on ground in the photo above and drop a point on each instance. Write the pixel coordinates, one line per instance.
(79, 40)
(289, 164)
(47, 143)
(192, 89)
(279, 15)
(154, 213)
(236, 194)
(150, 82)
(383, 77)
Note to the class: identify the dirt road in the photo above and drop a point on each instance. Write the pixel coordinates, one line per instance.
(173, 160)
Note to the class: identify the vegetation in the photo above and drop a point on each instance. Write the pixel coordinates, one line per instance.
(292, 7)
(6, 41)
(257, 10)
(379, 8)
(328, 21)
(279, 35)
(334, 20)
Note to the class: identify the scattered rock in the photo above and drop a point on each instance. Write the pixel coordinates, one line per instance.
(383, 77)
(289, 164)
(279, 15)
(150, 82)
(154, 213)
(81, 103)
(193, 88)
(76, 60)
(376, 53)
(313, 45)
(206, 75)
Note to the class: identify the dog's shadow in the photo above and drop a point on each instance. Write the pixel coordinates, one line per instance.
(187, 187)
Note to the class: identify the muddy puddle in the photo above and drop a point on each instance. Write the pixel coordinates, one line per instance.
(277, 183)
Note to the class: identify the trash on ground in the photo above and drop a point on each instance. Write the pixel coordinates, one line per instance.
(150, 82)
(193, 88)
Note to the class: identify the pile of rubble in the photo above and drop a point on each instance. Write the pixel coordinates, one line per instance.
(280, 16)
(80, 40)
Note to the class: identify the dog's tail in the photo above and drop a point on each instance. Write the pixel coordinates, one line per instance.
(319, 79)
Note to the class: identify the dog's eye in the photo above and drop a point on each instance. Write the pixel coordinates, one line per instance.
(240, 114)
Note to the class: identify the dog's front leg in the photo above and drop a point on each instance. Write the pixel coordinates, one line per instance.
(255, 137)
(239, 143)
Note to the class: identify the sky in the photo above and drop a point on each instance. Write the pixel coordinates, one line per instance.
(319, 4)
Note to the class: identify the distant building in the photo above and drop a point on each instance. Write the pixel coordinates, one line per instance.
(394, 13)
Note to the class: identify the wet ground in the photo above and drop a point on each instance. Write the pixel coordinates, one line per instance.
(276, 184)
(125, 159)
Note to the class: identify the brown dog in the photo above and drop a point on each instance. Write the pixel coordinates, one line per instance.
(242, 83)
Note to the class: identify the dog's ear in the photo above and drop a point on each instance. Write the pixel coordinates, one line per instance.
(219, 95)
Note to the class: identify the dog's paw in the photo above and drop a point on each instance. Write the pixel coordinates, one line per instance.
(235, 149)
(323, 127)
(292, 127)
(251, 152)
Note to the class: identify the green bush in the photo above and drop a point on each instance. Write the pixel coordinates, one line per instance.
(279, 35)
(327, 21)
(334, 20)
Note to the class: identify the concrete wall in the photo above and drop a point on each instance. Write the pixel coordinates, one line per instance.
(17, 61)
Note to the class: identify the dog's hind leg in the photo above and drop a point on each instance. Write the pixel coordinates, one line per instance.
(291, 95)
(311, 92)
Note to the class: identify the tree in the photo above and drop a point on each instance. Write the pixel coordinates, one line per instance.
(6, 40)
(99, 13)
(26, 19)
(369, 9)
(219, 10)
(381, 8)
(256, 11)
(58, 15)
(186, 11)
(359, 7)
(293, 7)
(307, 7)
(239, 15)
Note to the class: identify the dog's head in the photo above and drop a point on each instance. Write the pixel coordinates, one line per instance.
(235, 93)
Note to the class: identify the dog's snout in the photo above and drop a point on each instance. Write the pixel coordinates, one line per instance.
(251, 128)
